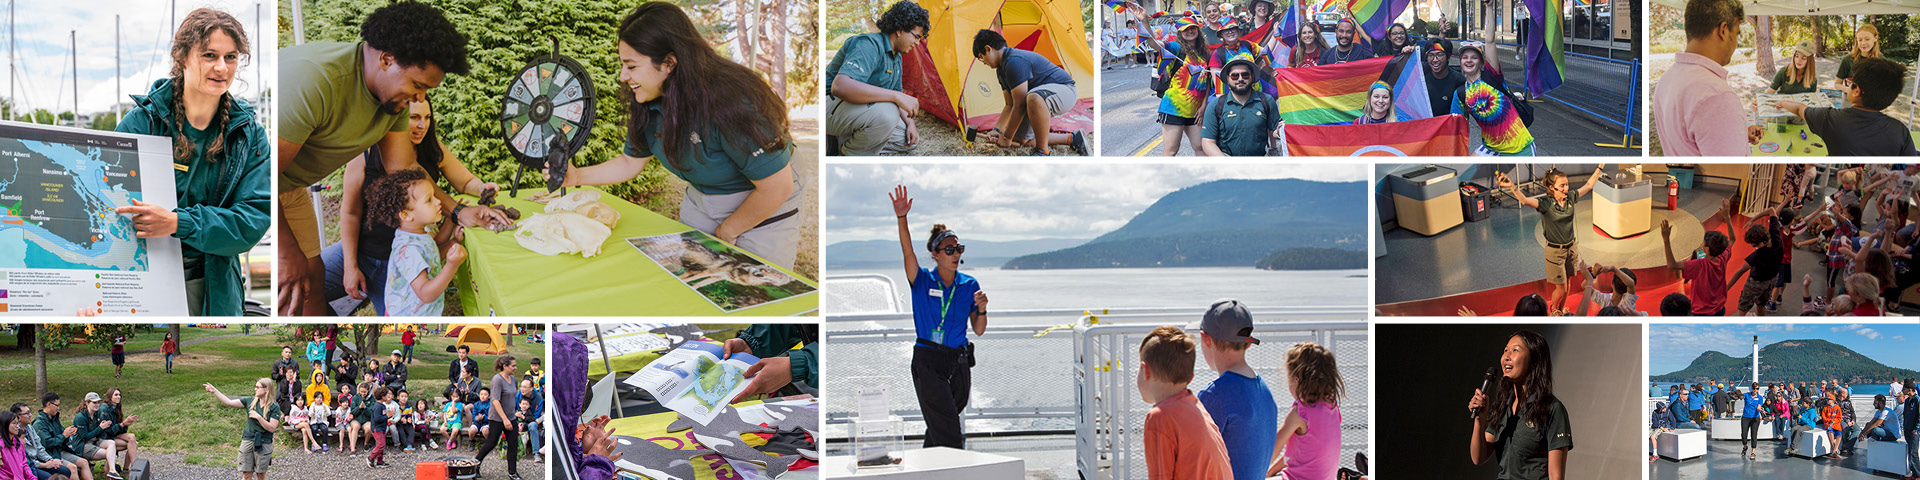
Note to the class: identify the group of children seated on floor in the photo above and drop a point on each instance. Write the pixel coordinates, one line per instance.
(1232, 427)
(1865, 267)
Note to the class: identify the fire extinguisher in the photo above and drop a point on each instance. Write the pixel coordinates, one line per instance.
(1673, 193)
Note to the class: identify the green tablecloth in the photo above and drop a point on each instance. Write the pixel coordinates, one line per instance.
(502, 278)
(1783, 139)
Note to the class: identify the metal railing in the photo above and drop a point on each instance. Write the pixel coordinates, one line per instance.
(1112, 414)
(1092, 396)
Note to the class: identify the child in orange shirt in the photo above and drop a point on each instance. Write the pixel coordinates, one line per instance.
(1182, 441)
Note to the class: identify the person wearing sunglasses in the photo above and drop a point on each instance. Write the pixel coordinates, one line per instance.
(867, 113)
(945, 304)
(1240, 124)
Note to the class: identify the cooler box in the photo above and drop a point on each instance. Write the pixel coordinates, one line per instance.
(1682, 444)
(1682, 174)
(1811, 443)
(1623, 203)
(1426, 199)
(1890, 457)
(1475, 201)
(432, 470)
(1729, 429)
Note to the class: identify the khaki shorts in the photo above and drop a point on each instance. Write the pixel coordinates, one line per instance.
(252, 461)
(1060, 98)
(1559, 261)
(296, 207)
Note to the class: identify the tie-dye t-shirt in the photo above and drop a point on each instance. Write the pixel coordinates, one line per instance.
(413, 253)
(1186, 82)
(1500, 126)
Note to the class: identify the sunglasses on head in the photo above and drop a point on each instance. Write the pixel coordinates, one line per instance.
(952, 249)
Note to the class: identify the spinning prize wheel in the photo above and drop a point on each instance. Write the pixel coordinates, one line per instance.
(547, 115)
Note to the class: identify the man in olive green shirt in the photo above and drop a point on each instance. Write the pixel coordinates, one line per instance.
(865, 108)
(1239, 123)
(341, 99)
(1556, 226)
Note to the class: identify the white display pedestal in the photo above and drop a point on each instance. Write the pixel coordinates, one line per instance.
(1812, 443)
(1890, 457)
(1683, 444)
(938, 463)
(1729, 429)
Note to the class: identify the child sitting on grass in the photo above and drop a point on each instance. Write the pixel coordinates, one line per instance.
(1308, 444)
(416, 277)
(1181, 440)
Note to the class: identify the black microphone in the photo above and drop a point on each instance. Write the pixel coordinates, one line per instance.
(1486, 383)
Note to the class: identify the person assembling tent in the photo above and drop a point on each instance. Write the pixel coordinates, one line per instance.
(1035, 90)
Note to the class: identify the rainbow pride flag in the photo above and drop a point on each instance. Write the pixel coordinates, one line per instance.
(1326, 94)
(1374, 16)
(1442, 136)
(1546, 62)
(1118, 6)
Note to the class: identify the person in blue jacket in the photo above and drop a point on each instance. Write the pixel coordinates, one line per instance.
(220, 170)
(1751, 404)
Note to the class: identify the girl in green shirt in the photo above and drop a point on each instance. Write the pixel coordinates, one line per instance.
(1799, 76)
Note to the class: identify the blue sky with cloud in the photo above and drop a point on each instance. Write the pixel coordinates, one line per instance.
(1004, 202)
(44, 58)
(1673, 347)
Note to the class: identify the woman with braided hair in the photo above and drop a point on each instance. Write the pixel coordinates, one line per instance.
(220, 170)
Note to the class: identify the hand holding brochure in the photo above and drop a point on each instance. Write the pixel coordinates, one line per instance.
(694, 380)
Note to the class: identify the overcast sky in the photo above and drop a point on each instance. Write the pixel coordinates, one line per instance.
(1001, 201)
(1673, 347)
(44, 58)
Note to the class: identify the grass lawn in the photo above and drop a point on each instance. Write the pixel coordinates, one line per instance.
(143, 338)
(176, 413)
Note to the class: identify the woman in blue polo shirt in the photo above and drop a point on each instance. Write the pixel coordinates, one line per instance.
(711, 122)
(945, 303)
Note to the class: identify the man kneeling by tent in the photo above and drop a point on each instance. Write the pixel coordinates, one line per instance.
(1035, 91)
(865, 108)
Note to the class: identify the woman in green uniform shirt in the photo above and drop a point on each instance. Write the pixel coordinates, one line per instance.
(711, 122)
(1799, 76)
(1526, 429)
(220, 161)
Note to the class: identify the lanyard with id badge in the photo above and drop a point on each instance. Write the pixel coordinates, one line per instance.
(945, 294)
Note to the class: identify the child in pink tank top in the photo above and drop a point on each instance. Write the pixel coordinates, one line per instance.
(1308, 444)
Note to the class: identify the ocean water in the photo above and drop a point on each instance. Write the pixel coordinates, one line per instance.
(1858, 390)
(1153, 287)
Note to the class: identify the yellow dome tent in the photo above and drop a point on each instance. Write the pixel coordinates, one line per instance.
(953, 86)
(481, 340)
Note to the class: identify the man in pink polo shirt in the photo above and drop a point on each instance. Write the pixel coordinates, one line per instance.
(1694, 109)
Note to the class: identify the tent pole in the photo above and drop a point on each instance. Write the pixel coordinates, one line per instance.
(608, 361)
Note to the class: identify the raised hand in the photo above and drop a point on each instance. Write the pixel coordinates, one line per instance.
(901, 202)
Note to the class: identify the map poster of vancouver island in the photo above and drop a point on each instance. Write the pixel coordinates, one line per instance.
(62, 248)
(694, 380)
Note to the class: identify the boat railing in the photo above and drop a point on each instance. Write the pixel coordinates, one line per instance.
(1096, 400)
